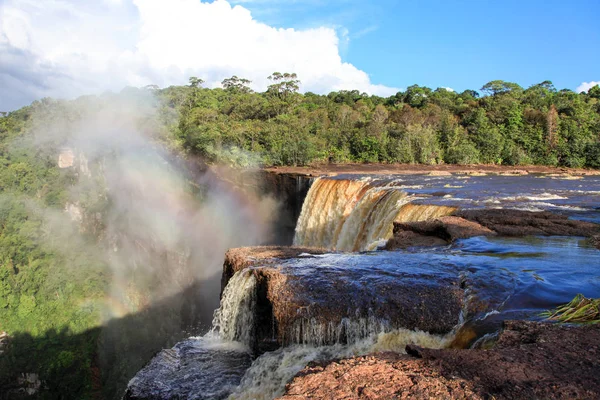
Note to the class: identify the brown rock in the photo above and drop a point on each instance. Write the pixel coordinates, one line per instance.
(596, 241)
(447, 228)
(404, 239)
(381, 376)
(524, 223)
(313, 302)
(242, 257)
(530, 360)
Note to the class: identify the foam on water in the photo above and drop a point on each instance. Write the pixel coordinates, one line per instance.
(268, 375)
(234, 319)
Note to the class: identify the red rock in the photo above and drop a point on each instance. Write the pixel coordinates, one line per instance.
(530, 360)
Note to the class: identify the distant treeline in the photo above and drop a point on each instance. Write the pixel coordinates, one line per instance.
(501, 124)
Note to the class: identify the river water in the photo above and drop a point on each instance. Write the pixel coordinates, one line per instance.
(502, 278)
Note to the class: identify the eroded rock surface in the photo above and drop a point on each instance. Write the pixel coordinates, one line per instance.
(342, 298)
(489, 222)
(240, 258)
(523, 223)
(530, 360)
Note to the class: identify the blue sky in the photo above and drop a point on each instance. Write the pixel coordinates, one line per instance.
(459, 44)
(67, 48)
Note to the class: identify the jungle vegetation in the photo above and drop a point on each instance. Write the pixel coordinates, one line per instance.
(49, 294)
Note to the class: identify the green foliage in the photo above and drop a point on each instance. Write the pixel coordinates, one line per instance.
(510, 125)
(52, 280)
(579, 310)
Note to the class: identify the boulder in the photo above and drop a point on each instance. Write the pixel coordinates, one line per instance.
(240, 258)
(403, 239)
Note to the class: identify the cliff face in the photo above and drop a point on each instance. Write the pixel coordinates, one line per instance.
(289, 191)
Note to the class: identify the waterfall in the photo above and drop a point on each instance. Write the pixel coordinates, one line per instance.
(357, 215)
(269, 373)
(234, 319)
(349, 331)
(422, 212)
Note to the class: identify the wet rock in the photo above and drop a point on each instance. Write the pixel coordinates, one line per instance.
(595, 240)
(194, 369)
(242, 257)
(524, 223)
(530, 360)
(342, 298)
(489, 222)
(447, 228)
(403, 239)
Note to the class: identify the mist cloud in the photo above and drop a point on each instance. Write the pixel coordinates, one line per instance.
(157, 222)
(66, 48)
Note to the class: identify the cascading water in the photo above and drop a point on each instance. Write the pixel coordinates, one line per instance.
(357, 215)
(340, 305)
(234, 319)
(269, 373)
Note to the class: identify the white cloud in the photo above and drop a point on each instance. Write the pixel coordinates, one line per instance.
(585, 86)
(448, 88)
(66, 48)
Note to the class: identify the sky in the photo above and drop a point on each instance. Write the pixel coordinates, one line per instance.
(68, 48)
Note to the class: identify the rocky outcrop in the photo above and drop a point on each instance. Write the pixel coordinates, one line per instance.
(507, 222)
(66, 158)
(382, 376)
(442, 230)
(403, 239)
(240, 258)
(488, 222)
(530, 360)
(595, 240)
(314, 299)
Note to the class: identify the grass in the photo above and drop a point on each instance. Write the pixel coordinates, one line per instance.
(579, 310)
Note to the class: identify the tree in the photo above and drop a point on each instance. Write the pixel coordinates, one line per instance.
(417, 96)
(236, 85)
(195, 82)
(497, 87)
(283, 84)
(552, 127)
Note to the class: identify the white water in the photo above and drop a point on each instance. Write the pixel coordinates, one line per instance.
(268, 375)
(234, 319)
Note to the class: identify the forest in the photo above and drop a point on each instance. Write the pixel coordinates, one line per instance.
(502, 123)
(52, 293)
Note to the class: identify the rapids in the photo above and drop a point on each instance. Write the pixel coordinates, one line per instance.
(339, 305)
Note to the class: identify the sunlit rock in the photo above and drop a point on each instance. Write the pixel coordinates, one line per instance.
(66, 158)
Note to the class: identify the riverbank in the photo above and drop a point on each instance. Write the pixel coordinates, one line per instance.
(406, 169)
(529, 360)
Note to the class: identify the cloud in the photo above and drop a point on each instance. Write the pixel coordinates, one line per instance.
(448, 88)
(585, 86)
(365, 31)
(65, 48)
